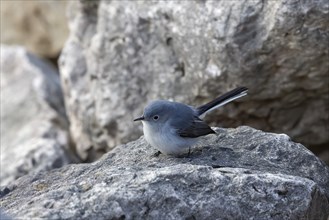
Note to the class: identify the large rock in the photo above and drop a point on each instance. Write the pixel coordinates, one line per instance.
(3, 216)
(40, 26)
(34, 126)
(237, 174)
(122, 54)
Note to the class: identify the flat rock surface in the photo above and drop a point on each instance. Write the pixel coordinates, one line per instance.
(238, 173)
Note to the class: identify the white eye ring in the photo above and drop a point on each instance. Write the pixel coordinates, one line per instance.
(155, 117)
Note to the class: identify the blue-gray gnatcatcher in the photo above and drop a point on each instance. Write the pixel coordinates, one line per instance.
(173, 127)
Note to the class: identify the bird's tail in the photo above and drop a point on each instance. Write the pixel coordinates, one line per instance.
(222, 100)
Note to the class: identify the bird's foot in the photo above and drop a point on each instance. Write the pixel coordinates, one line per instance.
(189, 152)
(157, 154)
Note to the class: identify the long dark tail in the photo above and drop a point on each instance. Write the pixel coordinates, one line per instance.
(222, 100)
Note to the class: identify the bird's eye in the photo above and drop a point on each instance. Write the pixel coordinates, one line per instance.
(155, 117)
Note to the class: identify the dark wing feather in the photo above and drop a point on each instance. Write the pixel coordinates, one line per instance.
(195, 129)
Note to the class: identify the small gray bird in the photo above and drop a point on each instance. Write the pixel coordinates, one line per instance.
(173, 127)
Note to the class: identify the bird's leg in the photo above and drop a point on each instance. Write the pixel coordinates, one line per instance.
(189, 152)
(157, 153)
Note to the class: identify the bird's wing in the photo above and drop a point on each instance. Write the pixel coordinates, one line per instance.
(195, 129)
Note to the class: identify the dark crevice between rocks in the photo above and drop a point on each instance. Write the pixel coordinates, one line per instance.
(256, 189)
(282, 192)
(90, 7)
(216, 166)
(4, 191)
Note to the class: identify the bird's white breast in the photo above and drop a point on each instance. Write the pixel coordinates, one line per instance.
(166, 140)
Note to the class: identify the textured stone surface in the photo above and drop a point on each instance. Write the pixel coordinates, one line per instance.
(237, 174)
(122, 54)
(3, 216)
(40, 26)
(34, 126)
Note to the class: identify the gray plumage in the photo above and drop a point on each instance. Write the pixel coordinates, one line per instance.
(173, 127)
(180, 116)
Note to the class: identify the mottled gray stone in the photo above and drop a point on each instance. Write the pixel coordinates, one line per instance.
(34, 126)
(239, 173)
(122, 54)
(3, 216)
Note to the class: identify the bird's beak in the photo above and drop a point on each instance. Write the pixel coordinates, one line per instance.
(139, 119)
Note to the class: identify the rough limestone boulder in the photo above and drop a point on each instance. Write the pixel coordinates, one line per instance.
(238, 173)
(122, 54)
(40, 26)
(34, 127)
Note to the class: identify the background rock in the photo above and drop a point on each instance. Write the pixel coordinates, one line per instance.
(236, 174)
(40, 26)
(122, 54)
(34, 126)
